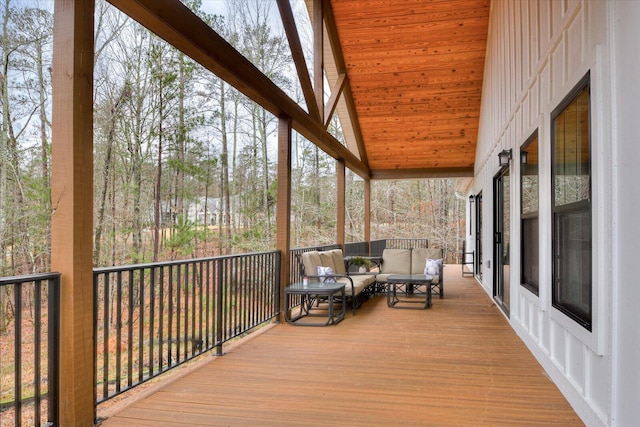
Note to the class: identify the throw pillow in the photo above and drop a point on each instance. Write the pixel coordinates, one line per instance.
(326, 271)
(432, 267)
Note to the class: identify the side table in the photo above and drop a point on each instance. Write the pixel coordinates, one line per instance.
(311, 295)
(410, 285)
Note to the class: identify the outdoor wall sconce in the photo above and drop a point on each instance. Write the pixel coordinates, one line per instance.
(504, 157)
(471, 199)
(523, 157)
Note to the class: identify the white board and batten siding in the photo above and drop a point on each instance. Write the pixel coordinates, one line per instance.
(537, 51)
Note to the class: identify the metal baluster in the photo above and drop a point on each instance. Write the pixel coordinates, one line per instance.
(53, 339)
(152, 318)
(37, 353)
(130, 334)
(161, 308)
(141, 311)
(119, 309)
(201, 305)
(207, 342)
(219, 305)
(178, 310)
(105, 335)
(17, 296)
(170, 323)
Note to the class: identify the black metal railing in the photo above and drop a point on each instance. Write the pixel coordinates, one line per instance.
(153, 317)
(407, 243)
(356, 248)
(29, 325)
(377, 246)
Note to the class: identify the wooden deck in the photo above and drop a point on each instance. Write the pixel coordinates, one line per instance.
(458, 363)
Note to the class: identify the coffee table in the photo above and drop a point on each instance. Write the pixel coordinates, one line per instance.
(311, 295)
(409, 291)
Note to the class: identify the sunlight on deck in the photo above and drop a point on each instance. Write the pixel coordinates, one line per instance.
(458, 363)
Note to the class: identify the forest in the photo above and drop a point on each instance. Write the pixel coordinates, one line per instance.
(184, 165)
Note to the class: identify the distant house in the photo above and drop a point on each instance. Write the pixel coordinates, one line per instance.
(206, 210)
(211, 211)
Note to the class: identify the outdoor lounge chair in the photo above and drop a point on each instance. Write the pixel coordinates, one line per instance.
(356, 285)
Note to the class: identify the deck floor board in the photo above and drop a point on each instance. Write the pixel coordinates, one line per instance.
(458, 363)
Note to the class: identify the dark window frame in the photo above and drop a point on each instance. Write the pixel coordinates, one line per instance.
(560, 213)
(529, 217)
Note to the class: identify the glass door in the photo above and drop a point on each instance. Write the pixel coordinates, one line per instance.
(501, 242)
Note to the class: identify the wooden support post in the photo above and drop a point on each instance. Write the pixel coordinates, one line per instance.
(340, 201)
(367, 210)
(283, 215)
(72, 199)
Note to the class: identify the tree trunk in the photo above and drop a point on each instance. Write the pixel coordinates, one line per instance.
(97, 239)
(180, 144)
(157, 220)
(234, 161)
(4, 137)
(265, 171)
(225, 168)
(44, 158)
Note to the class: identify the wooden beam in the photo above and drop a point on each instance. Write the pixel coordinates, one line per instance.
(336, 91)
(340, 201)
(289, 23)
(422, 173)
(318, 54)
(283, 212)
(180, 27)
(72, 195)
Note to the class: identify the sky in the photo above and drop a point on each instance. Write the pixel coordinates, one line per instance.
(217, 7)
(211, 6)
(214, 6)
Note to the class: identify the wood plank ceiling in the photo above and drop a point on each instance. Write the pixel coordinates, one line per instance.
(415, 69)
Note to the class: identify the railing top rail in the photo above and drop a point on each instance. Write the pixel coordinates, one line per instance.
(12, 280)
(316, 247)
(176, 262)
(406, 239)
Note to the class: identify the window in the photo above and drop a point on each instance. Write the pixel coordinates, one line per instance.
(529, 192)
(571, 194)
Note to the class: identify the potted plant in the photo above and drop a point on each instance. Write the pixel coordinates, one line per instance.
(362, 263)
